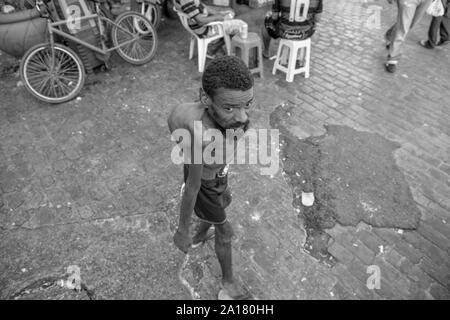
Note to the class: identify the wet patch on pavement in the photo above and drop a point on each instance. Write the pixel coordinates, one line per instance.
(353, 176)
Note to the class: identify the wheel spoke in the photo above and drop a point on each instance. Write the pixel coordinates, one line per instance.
(43, 86)
(40, 58)
(68, 69)
(37, 76)
(68, 78)
(64, 87)
(39, 84)
(140, 50)
(39, 64)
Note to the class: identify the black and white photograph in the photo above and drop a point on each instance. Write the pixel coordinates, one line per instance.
(253, 151)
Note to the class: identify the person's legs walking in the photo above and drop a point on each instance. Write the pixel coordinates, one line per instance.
(433, 32)
(406, 11)
(421, 10)
(266, 38)
(409, 14)
(445, 30)
(388, 35)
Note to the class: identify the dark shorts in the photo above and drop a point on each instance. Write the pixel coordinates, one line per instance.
(212, 199)
(276, 29)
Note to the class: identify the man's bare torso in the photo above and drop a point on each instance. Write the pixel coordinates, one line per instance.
(184, 117)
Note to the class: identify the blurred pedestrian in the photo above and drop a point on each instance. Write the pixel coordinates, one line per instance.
(410, 12)
(439, 31)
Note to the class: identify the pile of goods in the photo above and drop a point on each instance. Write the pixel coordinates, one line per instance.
(10, 6)
(21, 26)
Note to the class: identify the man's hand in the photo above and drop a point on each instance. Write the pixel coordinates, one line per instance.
(182, 240)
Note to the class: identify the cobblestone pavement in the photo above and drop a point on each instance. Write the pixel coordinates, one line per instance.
(89, 183)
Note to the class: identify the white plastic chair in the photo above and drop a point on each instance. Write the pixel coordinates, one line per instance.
(202, 43)
(298, 13)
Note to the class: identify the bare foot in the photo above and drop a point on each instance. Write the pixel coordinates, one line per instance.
(231, 291)
(201, 237)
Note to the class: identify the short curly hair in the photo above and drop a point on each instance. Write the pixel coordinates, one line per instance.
(226, 72)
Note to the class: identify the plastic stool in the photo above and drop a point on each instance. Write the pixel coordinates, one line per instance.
(246, 45)
(294, 47)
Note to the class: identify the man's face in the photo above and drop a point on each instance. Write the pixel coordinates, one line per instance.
(230, 108)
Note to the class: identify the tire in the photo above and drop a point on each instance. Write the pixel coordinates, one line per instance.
(63, 86)
(141, 27)
(152, 12)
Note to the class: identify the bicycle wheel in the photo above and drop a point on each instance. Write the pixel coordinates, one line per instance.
(52, 80)
(152, 12)
(134, 27)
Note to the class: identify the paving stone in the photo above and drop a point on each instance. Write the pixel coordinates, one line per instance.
(394, 277)
(394, 258)
(436, 271)
(361, 252)
(407, 250)
(439, 292)
(340, 292)
(390, 236)
(437, 255)
(370, 240)
(341, 253)
(352, 284)
(348, 86)
(416, 274)
(434, 236)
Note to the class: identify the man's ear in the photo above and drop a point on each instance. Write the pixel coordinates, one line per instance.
(204, 98)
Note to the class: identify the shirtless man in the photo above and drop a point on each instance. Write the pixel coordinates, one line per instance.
(226, 98)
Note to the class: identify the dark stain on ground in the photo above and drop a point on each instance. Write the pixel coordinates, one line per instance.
(10, 67)
(353, 176)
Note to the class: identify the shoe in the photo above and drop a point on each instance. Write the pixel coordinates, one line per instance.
(391, 67)
(426, 44)
(443, 43)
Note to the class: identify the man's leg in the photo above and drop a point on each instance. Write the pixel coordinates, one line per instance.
(445, 30)
(388, 35)
(433, 32)
(224, 234)
(266, 38)
(202, 233)
(409, 13)
(421, 10)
